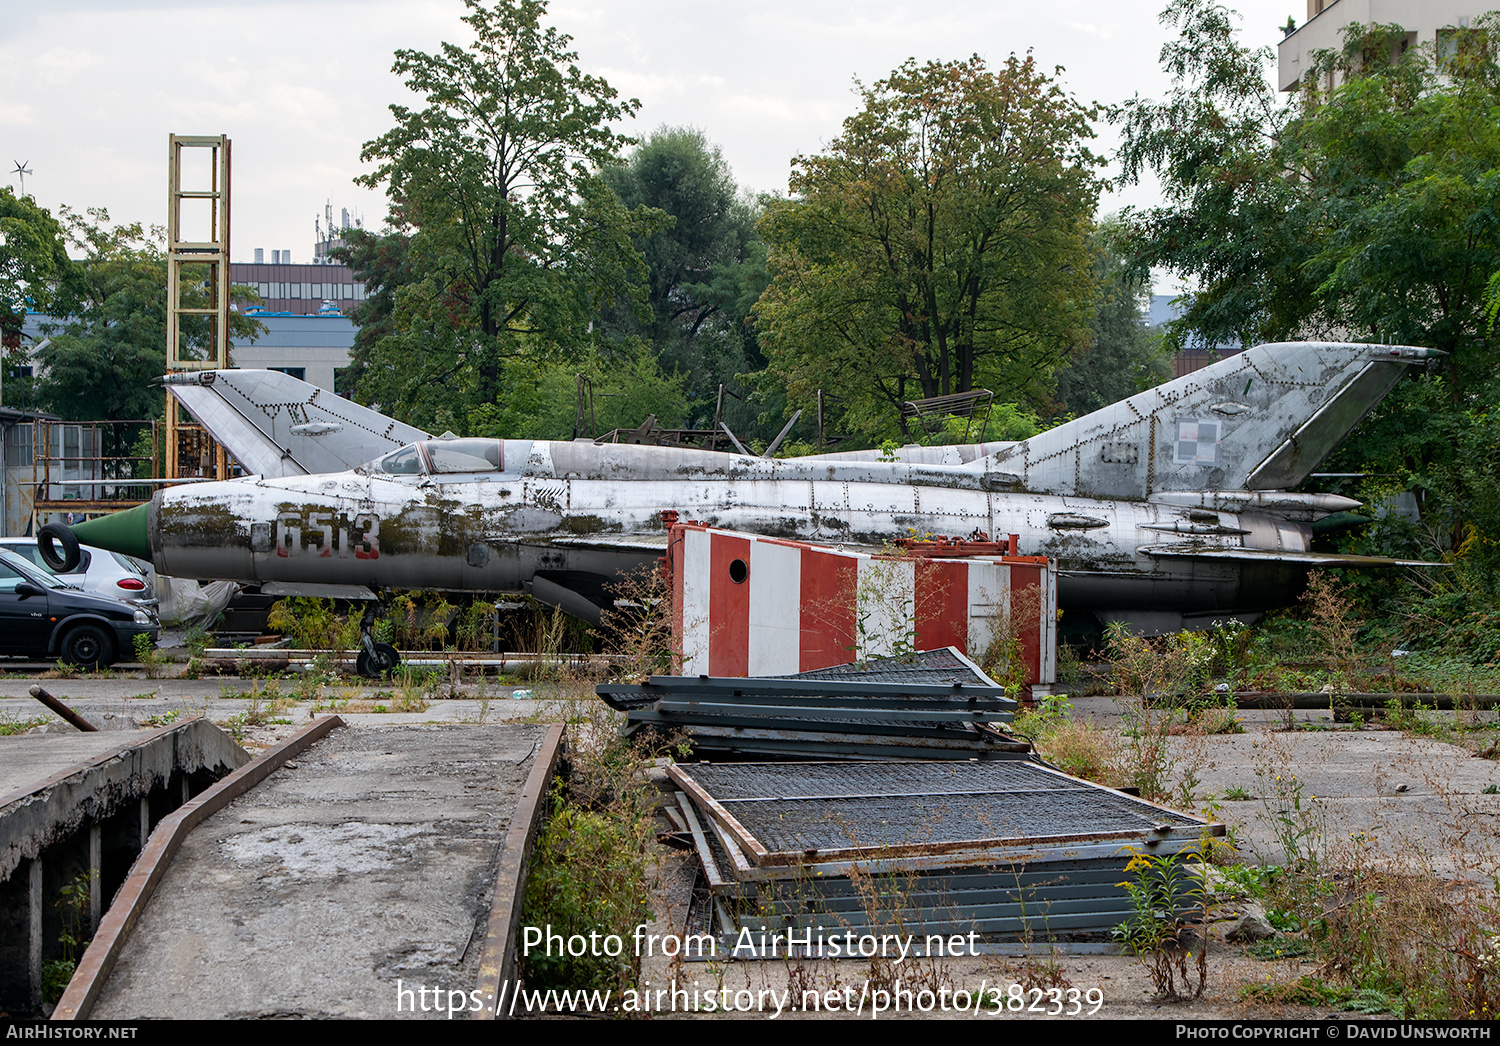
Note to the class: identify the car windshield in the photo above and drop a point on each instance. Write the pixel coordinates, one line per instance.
(29, 572)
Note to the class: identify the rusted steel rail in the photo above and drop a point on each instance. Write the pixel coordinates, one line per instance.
(1407, 699)
(497, 959)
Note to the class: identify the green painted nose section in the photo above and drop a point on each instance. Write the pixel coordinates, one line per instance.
(123, 532)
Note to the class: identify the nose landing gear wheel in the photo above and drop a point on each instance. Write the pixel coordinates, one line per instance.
(378, 661)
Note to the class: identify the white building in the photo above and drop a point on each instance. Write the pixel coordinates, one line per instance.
(309, 347)
(1427, 22)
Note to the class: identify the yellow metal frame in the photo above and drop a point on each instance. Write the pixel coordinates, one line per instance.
(212, 253)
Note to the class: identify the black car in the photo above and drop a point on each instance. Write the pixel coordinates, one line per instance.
(41, 616)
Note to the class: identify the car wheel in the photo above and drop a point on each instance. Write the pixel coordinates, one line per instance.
(87, 646)
(381, 664)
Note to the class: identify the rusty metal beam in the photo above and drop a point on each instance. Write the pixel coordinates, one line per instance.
(497, 958)
(62, 709)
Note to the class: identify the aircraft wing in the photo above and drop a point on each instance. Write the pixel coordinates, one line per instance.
(613, 543)
(1250, 555)
(275, 425)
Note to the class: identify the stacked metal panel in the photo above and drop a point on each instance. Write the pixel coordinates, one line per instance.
(931, 705)
(1001, 851)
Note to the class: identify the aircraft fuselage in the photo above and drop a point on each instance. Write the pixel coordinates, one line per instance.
(578, 515)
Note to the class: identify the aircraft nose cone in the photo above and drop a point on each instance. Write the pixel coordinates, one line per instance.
(123, 532)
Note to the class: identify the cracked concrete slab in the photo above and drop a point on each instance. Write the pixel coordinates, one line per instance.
(367, 863)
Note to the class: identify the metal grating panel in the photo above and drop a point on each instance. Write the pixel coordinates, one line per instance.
(729, 781)
(784, 813)
(943, 665)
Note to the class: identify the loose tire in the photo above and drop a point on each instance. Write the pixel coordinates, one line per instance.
(382, 664)
(64, 562)
(87, 646)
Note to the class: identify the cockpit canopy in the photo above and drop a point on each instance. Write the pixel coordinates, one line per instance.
(442, 457)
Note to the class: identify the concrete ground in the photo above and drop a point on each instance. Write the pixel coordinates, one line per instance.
(363, 868)
(1393, 796)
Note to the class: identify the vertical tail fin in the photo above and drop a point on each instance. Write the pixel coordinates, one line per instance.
(1260, 420)
(275, 425)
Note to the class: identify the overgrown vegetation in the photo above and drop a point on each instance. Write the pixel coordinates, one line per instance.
(73, 909)
(1162, 888)
(11, 724)
(590, 870)
(1387, 936)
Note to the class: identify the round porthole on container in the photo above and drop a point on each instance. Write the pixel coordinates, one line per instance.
(739, 570)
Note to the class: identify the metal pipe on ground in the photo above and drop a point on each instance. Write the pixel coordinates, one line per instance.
(63, 710)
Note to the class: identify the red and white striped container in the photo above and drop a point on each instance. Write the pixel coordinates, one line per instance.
(748, 605)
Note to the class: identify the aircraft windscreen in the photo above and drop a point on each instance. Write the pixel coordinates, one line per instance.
(466, 455)
(404, 462)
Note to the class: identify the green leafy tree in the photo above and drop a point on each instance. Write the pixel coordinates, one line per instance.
(34, 264)
(514, 240)
(939, 245)
(1371, 211)
(380, 261)
(705, 264)
(1123, 357)
(108, 345)
(1231, 219)
(626, 386)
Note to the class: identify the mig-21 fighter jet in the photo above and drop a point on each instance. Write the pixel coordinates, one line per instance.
(1170, 508)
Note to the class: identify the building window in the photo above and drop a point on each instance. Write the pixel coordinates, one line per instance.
(300, 373)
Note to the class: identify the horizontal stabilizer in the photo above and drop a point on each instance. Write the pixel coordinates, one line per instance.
(1264, 555)
(1263, 419)
(275, 425)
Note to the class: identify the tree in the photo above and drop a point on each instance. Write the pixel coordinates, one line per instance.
(380, 261)
(1371, 211)
(705, 266)
(939, 245)
(514, 241)
(108, 346)
(34, 264)
(1122, 357)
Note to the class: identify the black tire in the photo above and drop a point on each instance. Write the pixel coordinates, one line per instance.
(381, 665)
(87, 646)
(64, 562)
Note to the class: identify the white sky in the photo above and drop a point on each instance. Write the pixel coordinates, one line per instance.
(90, 89)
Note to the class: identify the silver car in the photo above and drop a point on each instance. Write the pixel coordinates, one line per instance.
(99, 572)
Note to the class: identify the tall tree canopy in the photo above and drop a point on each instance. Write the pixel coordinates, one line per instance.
(1374, 211)
(1371, 212)
(33, 264)
(514, 241)
(705, 264)
(108, 346)
(939, 245)
(1122, 357)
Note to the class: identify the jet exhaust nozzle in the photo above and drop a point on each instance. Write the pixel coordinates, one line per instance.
(122, 532)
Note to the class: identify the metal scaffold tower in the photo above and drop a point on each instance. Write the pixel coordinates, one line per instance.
(197, 289)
